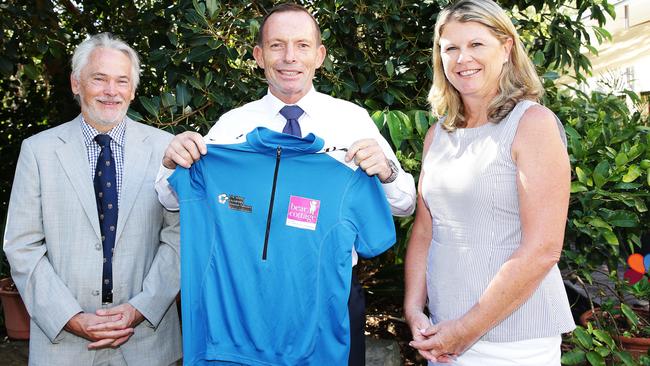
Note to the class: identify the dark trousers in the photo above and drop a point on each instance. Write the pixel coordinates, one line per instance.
(357, 311)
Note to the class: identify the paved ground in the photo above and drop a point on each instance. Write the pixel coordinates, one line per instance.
(379, 352)
(13, 353)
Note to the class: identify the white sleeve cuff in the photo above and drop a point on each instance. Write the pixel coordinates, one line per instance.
(166, 194)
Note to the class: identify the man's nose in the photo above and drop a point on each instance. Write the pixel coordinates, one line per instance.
(290, 54)
(110, 88)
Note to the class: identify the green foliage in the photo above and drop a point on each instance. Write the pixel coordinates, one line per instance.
(197, 59)
(609, 148)
(595, 347)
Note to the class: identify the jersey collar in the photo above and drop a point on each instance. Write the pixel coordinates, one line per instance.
(264, 140)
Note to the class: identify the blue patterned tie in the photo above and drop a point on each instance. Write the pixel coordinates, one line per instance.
(106, 194)
(292, 113)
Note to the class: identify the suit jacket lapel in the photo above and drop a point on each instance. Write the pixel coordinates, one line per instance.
(136, 162)
(74, 161)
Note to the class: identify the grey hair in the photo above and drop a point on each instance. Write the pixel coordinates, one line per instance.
(104, 40)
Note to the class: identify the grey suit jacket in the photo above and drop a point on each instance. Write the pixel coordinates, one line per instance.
(53, 244)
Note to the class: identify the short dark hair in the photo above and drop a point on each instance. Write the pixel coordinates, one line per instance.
(283, 8)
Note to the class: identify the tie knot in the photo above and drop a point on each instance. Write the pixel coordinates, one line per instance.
(291, 112)
(103, 140)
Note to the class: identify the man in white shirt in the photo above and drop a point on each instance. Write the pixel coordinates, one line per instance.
(289, 49)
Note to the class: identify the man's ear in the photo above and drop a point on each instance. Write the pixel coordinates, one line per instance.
(74, 85)
(258, 56)
(322, 53)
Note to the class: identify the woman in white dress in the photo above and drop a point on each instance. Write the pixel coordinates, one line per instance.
(492, 203)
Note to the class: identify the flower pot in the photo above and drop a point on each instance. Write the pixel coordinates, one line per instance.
(16, 316)
(637, 346)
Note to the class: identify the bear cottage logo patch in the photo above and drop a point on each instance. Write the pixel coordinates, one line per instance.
(303, 212)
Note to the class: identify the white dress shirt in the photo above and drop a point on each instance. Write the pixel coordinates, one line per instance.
(339, 123)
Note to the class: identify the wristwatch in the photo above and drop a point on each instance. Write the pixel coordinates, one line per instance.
(393, 172)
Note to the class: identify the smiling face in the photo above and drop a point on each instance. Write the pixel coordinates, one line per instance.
(290, 54)
(105, 88)
(473, 58)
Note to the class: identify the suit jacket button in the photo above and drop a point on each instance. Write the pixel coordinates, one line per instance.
(98, 246)
(96, 293)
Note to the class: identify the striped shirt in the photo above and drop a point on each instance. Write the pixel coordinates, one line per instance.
(93, 149)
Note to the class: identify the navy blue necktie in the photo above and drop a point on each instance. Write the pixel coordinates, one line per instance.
(292, 113)
(106, 194)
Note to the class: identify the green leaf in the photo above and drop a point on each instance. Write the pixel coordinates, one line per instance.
(578, 187)
(390, 68)
(194, 82)
(379, 118)
(200, 54)
(134, 115)
(538, 58)
(640, 205)
(610, 237)
(620, 218)
(199, 7)
(208, 79)
(630, 314)
(168, 100)
(421, 122)
(626, 358)
(582, 177)
(601, 173)
(182, 95)
(395, 128)
(212, 6)
(595, 359)
(633, 172)
(31, 71)
(621, 159)
(150, 104)
(604, 337)
(603, 351)
(598, 222)
(574, 357)
(583, 337)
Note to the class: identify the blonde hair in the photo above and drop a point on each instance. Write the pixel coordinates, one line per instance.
(518, 79)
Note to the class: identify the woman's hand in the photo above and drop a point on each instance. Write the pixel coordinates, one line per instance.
(445, 340)
(419, 322)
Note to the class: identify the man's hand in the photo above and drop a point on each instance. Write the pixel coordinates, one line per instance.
(184, 150)
(126, 317)
(369, 156)
(92, 327)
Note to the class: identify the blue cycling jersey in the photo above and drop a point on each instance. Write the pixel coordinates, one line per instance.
(267, 230)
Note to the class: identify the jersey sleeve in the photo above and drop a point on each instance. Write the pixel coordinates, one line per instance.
(365, 209)
(188, 184)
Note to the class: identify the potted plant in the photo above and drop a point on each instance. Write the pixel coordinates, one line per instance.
(625, 320)
(16, 318)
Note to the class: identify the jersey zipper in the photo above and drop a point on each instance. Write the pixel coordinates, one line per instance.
(268, 218)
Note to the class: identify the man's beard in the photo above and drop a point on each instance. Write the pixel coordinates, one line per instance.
(96, 116)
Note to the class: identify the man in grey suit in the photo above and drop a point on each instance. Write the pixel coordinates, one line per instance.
(93, 253)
